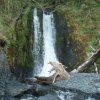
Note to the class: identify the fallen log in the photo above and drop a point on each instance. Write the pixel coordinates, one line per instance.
(60, 74)
(46, 80)
(60, 71)
(42, 80)
(95, 56)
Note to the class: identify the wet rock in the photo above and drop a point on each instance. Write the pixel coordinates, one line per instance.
(66, 95)
(85, 82)
(80, 86)
(8, 85)
(17, 88)
(28, 97)
(4, 68)
(4, 73)
(49, 97)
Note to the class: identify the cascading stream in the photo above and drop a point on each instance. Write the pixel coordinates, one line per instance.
(36, 46)
(49, 35)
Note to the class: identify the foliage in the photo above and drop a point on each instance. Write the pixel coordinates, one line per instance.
(23, 42)
(17, 50)
(83, 21)
(44, 4)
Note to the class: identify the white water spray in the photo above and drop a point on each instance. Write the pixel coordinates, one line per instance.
(49, 35)
(36, 46)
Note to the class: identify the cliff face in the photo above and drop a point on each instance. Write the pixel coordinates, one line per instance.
(5, 73)
(77, 21)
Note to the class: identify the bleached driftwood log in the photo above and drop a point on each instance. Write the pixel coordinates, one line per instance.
(60, 74)
(88, 62)
(60, 71)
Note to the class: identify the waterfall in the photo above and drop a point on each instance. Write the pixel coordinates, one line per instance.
(36, 46)
(49, 36)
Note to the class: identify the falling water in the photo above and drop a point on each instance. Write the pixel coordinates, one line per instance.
(49, 34)
(36, 46)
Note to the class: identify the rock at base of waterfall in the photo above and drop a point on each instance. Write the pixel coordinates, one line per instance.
(49, 97)
(8, 85)
(17, 88)
(86, 82)
(28, 97)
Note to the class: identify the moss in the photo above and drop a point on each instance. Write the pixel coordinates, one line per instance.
(75, 37)
(23, 54)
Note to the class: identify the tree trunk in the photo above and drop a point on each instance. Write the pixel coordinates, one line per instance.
(89, 62)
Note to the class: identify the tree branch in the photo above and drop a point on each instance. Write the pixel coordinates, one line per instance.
(89, 62)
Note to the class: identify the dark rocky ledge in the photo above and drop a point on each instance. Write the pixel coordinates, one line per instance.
(88, 83)
(8, 84)
(85, 82)
(80, 86)
(17, 88)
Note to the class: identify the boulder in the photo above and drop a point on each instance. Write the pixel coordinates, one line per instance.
(8, 84)
(88, 83)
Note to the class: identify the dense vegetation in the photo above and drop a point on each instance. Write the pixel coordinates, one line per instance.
(82, 17)
(14, 18)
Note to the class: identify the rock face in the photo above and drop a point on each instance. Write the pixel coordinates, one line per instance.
(64, 48)
(8, 85)
(4, 72)
(4, 68)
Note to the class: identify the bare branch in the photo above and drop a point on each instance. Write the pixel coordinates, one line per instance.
(89, 62)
